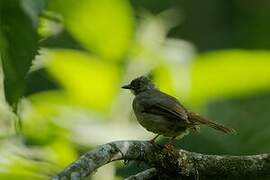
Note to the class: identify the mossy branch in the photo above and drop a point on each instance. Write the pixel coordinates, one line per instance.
(169, 163)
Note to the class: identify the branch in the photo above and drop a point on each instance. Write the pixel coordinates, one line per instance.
(169, 163)
(147, 174)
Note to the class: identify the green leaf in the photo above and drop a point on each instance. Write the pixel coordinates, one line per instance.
(89, 81)
(229, 73)
(18, 46)
(104, 26)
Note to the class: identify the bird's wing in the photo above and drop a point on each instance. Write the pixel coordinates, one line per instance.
(165, 105)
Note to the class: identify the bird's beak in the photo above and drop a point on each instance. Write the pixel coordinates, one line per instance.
(126, 87)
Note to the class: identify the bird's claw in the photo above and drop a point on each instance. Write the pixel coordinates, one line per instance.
(169, 146)
(152, 141)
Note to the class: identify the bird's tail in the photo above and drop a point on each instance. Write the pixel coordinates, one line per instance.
(197, 119)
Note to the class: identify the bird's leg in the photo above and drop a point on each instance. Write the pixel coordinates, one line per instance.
(152, 141)
(171, 143)
(172, 140)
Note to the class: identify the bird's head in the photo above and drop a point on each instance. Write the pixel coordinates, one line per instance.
(139, 85)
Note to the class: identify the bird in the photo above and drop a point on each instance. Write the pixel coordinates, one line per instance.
(163, 114)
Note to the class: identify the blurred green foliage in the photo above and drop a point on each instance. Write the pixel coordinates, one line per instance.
(88, 78)
(229, 74)
(69, 96)
(104, 19)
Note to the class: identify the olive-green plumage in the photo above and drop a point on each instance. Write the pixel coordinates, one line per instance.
(163, 114)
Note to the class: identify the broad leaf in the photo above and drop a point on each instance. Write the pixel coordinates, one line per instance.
(89, 81)
(229, 73)
(102, 26)
(18, 46)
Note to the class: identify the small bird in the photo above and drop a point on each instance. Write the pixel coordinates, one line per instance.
(163, 114)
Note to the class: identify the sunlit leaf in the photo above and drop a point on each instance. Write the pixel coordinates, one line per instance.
(229, 73)
(88, 81)
(61, 152)
(163, 79)
(104, 26)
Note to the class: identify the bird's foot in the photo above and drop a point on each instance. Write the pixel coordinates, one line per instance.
(152, 141)
(169, 146)
(169, 150)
